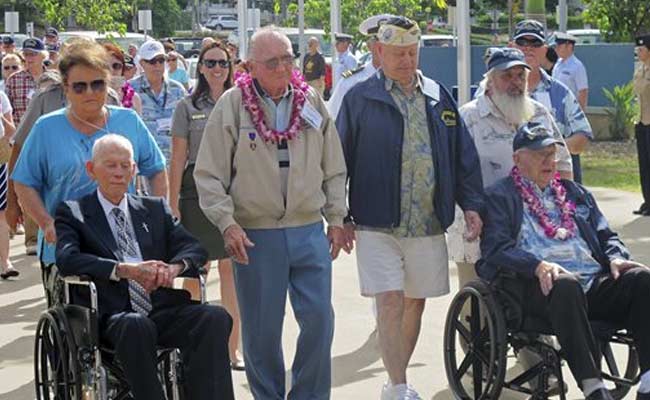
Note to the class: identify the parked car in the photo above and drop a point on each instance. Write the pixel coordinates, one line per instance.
(188, 46)
(221, 22)
(437, 41)
(586, 36)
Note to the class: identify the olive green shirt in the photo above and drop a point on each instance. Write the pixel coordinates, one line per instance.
(188, 122)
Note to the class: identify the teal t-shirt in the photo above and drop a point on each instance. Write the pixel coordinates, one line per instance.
(54, 156)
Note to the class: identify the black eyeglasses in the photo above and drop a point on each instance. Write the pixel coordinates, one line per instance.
(158, 60)
(98, 85)
(117, 66)
(8, 67)
(535, 43)
(211, 63)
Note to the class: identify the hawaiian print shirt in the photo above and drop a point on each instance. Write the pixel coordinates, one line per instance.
(573, 254)
(157, 111)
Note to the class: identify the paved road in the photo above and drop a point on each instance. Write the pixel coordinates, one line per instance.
(357, 369)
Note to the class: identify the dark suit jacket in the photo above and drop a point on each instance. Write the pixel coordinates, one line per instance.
(86, 246)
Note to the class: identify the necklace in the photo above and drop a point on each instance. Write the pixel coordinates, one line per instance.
(567, 227)
(252, 105)
(83, 121)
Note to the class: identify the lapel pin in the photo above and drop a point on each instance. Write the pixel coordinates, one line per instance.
(145, 227)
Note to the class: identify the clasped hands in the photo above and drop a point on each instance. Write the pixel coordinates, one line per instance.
(151, 274)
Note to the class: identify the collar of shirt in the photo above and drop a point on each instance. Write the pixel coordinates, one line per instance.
(205, 100)
(262, 93)
(391, 84)
(107, 206)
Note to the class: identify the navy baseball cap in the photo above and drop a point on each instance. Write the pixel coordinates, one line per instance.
(128, 60)
(51, 31)
(502, 58)
(529, 27)
(7, 40)
(533, 136)
(642, 40)
(33, 44)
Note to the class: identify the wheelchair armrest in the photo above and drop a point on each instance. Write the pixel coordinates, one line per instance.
(81, 280)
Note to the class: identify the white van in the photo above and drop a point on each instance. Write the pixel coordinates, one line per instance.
(122, 41)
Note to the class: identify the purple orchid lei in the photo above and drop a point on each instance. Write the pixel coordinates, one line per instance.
(567, 227)
(252, 105)
(127, 95)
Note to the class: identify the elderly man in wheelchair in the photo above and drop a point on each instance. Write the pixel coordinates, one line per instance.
(547, 249)
(128, 249)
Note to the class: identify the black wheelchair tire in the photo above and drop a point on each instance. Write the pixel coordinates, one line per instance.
(492, 337)
(631, 371)
(51, 361)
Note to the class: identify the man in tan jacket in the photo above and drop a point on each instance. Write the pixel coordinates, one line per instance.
(269, 167)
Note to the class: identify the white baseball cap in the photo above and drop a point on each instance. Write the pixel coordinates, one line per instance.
(150, 50)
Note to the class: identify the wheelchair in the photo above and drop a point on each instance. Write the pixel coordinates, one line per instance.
(485, 326)
(72, 363)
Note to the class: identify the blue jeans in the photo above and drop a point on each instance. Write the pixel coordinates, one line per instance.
(297, 260)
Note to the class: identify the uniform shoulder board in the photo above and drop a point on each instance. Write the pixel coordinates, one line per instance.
(351, 72)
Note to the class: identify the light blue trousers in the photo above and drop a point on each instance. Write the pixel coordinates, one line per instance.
(297, 260)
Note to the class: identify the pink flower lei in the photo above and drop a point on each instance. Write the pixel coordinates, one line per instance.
(252, 105)
(567, 228)
(127, 95)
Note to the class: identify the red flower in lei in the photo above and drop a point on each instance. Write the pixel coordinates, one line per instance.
(252, 105)
(567, 227)
(127, 95)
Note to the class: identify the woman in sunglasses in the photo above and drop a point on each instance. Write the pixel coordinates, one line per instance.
(51, 167)
(128, 97)
(191, 114)
(11, 63)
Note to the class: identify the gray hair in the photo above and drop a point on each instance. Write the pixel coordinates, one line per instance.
(111, 141)
(262, 35)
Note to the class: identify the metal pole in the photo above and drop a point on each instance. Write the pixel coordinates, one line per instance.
(563, 11)
(464, 54)
(335, 23)
(243, 28)
(301, 31)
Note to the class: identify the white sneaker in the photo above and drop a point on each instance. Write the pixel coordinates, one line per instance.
(387, 392)
(401, 391)
(411, 394)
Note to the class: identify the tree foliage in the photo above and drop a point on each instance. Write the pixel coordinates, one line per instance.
(353, 12)
(621, 20)
(99, 15)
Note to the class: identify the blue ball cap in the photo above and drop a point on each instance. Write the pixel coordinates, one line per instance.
(533, 136)
(529, 27)
(7, 40)
(33, 44)
(502, 58)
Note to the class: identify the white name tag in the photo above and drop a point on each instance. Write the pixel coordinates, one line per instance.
(312, 116)
(164, 124)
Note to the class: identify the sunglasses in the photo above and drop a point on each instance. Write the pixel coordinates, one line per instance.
(117, 66)
(158, 60)
(8, 67)
(212, 63)
(98, 85)
(274, 63)
(47, 63)
(535, 43)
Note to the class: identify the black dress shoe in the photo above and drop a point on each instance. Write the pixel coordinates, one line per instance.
(643, 396)
(642, 210)
(600, 394)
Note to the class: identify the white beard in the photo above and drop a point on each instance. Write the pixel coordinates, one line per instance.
(516, 109)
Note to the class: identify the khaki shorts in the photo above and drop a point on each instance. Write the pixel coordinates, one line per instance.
(417, 266)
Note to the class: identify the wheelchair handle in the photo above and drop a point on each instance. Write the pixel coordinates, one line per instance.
(81, 280)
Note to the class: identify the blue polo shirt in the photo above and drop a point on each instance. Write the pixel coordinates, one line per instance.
(53, 159)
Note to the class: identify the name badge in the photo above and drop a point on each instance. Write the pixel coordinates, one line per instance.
(312, 116)
(198, 116)
(164, 124)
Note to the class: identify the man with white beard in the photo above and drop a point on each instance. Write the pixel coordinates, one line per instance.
(492, 120)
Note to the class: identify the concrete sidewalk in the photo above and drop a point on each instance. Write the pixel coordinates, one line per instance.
(357, 369)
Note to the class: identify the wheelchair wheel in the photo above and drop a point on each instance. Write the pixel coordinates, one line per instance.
(477, 373)
(612, 368)
(171, 374)
(55, 367)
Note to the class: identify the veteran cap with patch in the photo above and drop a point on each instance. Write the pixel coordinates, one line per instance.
(399, 31)
(343, 37)
(533, 136)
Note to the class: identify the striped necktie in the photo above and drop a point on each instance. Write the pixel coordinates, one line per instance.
(140, 300)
